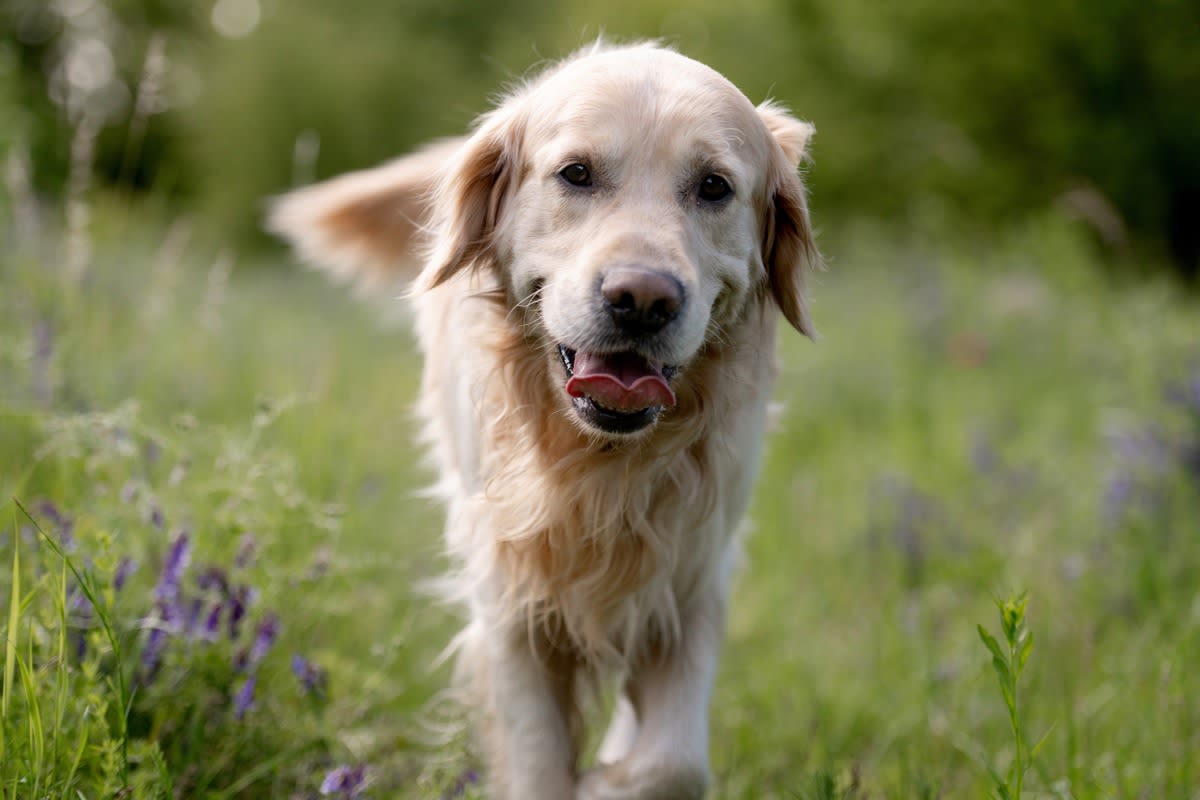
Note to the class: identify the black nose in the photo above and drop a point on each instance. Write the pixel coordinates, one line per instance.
(641, 300)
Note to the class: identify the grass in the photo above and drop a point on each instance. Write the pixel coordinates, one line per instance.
(978, 418)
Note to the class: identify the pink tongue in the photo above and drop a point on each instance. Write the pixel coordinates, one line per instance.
(623, 382)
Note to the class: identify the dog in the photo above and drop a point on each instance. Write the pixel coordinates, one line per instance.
(602, 262)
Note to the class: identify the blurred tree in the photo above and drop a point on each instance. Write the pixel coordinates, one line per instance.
(929, 112)
(87, 60)
(1002, 107)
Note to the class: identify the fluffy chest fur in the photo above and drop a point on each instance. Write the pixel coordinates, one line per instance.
(594, 545)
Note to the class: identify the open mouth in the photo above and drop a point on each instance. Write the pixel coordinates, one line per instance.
(617, 392)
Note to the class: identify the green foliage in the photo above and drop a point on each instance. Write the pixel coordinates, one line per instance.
(128, 690)
(930, 113)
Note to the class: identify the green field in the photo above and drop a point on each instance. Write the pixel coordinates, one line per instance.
(980, 418)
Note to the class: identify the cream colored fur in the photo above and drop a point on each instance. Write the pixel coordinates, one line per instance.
(581, 555)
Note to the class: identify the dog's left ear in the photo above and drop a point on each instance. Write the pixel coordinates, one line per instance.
(789, 248)
(471, 198)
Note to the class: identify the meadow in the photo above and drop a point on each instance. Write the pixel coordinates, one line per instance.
(214, 542)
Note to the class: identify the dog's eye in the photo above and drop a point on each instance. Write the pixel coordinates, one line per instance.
(714, 188)
(576, 175)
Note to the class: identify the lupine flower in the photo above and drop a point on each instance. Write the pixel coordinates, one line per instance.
(243, 701)
(213, 579)
(264, 637)
(346, 782)
(212, 623)
(239, 598)
(314, 679)
(177, 559)
(152, 651)
(125, 567)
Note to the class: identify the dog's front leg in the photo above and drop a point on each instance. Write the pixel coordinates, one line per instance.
(530, 746)
(669, 696)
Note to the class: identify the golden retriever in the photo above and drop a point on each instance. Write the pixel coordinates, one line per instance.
(604, 256)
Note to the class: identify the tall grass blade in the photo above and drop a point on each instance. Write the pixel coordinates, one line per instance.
(10, 638)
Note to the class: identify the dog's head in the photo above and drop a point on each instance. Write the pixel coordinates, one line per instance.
(631, 203)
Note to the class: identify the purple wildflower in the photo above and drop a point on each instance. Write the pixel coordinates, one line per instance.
(173, 565)
(264, 637)
(212, 623)
(152, 651)
(239, 600)
(129, 491)
(213, 579)
(314, 679)
(346, 782)
(125, 567)
(243, 701)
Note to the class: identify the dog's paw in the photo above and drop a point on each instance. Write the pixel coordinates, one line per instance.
(621, 782)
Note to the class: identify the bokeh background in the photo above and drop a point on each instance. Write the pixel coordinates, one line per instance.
(929, 112)
(211, 573)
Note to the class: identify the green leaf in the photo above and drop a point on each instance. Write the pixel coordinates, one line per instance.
(1026, 649)
(1037, 747)
(991, 642)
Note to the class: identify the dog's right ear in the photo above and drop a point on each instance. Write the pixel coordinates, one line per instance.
(366, 226)
(471, 198)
